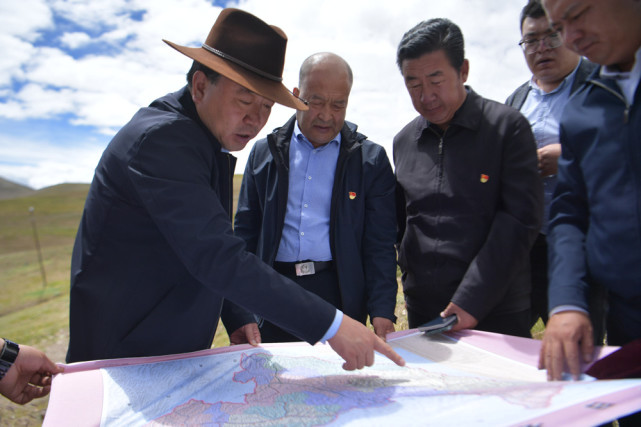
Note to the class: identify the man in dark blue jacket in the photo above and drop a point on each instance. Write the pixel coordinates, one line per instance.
(595, 225)
(317, 203)
(155, 253)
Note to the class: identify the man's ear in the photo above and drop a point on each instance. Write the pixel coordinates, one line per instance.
(296, 92)
(199, 83)
(465, 70)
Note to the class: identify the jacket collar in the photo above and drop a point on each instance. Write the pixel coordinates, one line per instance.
(596, 78)
(182, 103)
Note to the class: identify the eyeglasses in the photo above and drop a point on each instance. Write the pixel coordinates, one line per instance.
(552, 41)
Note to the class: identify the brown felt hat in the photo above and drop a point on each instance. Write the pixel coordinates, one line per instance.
(248, 51)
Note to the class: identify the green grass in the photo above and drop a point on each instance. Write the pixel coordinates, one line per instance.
(33, 311)
(56, 213)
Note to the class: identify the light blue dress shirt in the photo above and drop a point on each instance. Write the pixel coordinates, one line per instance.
(543, 111)
(333, 328)
(311, 179)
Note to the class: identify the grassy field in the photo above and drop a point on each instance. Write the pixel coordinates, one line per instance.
(34, 311)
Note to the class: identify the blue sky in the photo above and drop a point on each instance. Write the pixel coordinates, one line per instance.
(74, 71)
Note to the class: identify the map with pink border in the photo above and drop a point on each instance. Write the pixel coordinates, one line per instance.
(454, 379)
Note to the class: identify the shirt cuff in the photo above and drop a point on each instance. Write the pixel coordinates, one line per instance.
(333, 328)
(560, 308)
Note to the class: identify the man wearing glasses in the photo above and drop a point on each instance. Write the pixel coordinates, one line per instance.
(556, 73)
(317, 204)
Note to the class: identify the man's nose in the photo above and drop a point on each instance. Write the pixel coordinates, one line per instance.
(426, 94)
(324, 112)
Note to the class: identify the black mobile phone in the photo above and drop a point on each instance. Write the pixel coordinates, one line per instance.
(438, 325)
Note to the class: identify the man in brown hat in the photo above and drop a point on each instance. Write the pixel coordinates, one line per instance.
(155, 253)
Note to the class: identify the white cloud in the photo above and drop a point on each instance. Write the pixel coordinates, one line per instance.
(105, 90)
(36, 101)
(75, 40)
(24, 18)
(38, 164)
(15, 54)
(92, 14)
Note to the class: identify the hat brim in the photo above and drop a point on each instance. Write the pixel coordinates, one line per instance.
(270, 89)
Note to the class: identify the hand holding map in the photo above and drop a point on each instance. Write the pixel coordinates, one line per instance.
(464, 319)
(29, 376)
(567, 340)
(246, 334)
(356, 344)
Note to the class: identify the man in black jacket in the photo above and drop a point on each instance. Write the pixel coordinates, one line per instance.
(155, 253)
(469, 196)
(556, 73)
(317, 203)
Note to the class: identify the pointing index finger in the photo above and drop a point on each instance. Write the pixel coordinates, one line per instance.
(387, 351)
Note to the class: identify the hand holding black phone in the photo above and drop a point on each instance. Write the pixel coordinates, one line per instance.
(438, 325)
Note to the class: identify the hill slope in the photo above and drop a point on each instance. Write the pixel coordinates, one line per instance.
(10, 189)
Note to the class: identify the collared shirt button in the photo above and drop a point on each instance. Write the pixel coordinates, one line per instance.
(302, 233)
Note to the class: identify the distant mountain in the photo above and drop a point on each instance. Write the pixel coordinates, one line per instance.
(10, 189)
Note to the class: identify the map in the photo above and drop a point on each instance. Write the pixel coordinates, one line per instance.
(447, 381)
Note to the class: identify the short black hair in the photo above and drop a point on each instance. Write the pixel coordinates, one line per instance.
(197, 66)
(431, 36)
(533, 9)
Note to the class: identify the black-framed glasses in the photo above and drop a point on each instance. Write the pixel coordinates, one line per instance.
(552, 41)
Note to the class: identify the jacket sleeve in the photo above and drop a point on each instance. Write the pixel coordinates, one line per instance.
(566, 237)
(514, 228)
(247, 223)
(401, 216)
(379, 235)
(248, 219)
(172, 175)
(234, 316)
